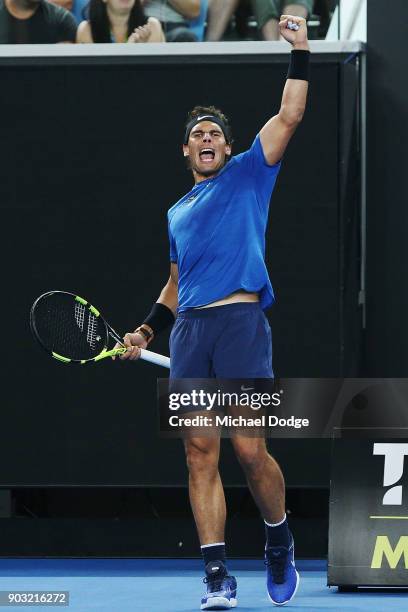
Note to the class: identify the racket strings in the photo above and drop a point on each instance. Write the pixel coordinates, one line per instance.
(80, 315)
(68, 328)
(92, 326)
(92, 331)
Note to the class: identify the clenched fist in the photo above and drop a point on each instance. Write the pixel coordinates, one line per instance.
(297, 38)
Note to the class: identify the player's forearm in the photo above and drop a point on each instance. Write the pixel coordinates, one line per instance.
(293, 101)
(294, 30)
(190, 9)
(295, 92)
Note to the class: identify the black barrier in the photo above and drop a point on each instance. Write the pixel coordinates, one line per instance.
(91, 161)
(386, 338)
(368, 541)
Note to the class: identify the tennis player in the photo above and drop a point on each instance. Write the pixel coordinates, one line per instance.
(219, 288)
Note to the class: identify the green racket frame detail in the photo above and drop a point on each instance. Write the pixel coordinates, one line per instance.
(61, 358)
(94, 311)
(81, 300)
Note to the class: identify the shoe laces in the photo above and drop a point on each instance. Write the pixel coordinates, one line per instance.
(215, 580)
(277, 566)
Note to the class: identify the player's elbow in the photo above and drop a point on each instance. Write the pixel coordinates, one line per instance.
(292, 115)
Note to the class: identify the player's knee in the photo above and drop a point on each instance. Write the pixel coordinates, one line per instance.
(201, 456)
(251, 455)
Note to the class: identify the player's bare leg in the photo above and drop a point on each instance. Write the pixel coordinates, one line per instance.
(208, 504)
(267, 486)
(205, 488)
(264, 476)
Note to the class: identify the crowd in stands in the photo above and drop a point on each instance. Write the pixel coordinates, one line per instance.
(139, 21)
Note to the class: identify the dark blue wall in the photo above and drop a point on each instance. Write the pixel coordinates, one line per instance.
(91, 161)
(387, 191)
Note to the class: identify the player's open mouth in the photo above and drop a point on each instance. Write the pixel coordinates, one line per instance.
(207, 155)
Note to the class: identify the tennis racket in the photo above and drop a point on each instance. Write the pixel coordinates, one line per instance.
(73, 331)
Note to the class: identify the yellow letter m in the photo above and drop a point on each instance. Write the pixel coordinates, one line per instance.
(383, 548)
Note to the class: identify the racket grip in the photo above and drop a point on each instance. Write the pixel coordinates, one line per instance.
(160, 360)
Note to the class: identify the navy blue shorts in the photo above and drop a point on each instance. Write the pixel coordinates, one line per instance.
(231, 341)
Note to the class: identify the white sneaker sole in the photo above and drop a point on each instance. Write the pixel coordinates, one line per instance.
(275, 603)
(219, 603)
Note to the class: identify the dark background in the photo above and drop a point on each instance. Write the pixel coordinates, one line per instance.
(387, 193)
(92, 161)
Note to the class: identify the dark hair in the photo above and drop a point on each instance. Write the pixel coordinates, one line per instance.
(100, 24)
(198, 111)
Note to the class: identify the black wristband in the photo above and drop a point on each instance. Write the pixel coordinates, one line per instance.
(160, 318)
(299, 65)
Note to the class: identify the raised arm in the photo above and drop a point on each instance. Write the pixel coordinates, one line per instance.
(276, 134)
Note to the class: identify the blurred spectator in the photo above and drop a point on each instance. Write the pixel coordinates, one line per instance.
(66, 4)
(119, 21)
(197, 25)
(219, 15)
(75, 6)
(79, 9)
(35, 21)
(267, 14)
(324, 9)
(174, 15)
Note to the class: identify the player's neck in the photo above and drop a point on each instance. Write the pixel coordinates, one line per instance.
(199, 178)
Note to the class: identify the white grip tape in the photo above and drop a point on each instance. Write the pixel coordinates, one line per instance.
(160, 360)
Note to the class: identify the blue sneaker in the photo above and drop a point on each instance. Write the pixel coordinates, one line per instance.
(282, 577)
(221, 589)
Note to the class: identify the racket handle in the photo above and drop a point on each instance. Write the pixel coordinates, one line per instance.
(160, 360)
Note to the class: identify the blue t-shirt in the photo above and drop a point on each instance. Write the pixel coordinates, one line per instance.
(217, 232)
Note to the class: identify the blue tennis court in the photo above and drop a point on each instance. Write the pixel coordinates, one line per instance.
(170, 585)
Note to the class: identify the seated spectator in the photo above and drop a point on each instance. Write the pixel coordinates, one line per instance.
(79, 9)
(174, 15)
(35, 21)
(219, 16)
(119, 21)
(267, 14)
(198, 24)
